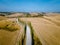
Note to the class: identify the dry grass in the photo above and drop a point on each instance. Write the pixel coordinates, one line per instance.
(11, 33)
(47, 28)
(35, 39)
(3, 18)
(10, 25)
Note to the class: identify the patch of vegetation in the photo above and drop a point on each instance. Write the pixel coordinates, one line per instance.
(7, 13)
(22, 22)
(28, 15)
(40, 15)
(9, 25)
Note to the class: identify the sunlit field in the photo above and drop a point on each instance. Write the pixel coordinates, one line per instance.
(45, 29)
(11, 32)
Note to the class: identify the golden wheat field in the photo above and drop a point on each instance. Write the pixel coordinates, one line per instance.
(11, 33)
(47, 28)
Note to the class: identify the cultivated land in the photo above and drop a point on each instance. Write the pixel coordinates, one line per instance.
(8, 34)
(46, 29)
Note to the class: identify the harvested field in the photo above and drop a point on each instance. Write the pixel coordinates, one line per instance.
(47, 28)
(8, 37)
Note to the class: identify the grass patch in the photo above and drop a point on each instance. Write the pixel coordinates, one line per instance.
(22, 22)
(9, 25)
